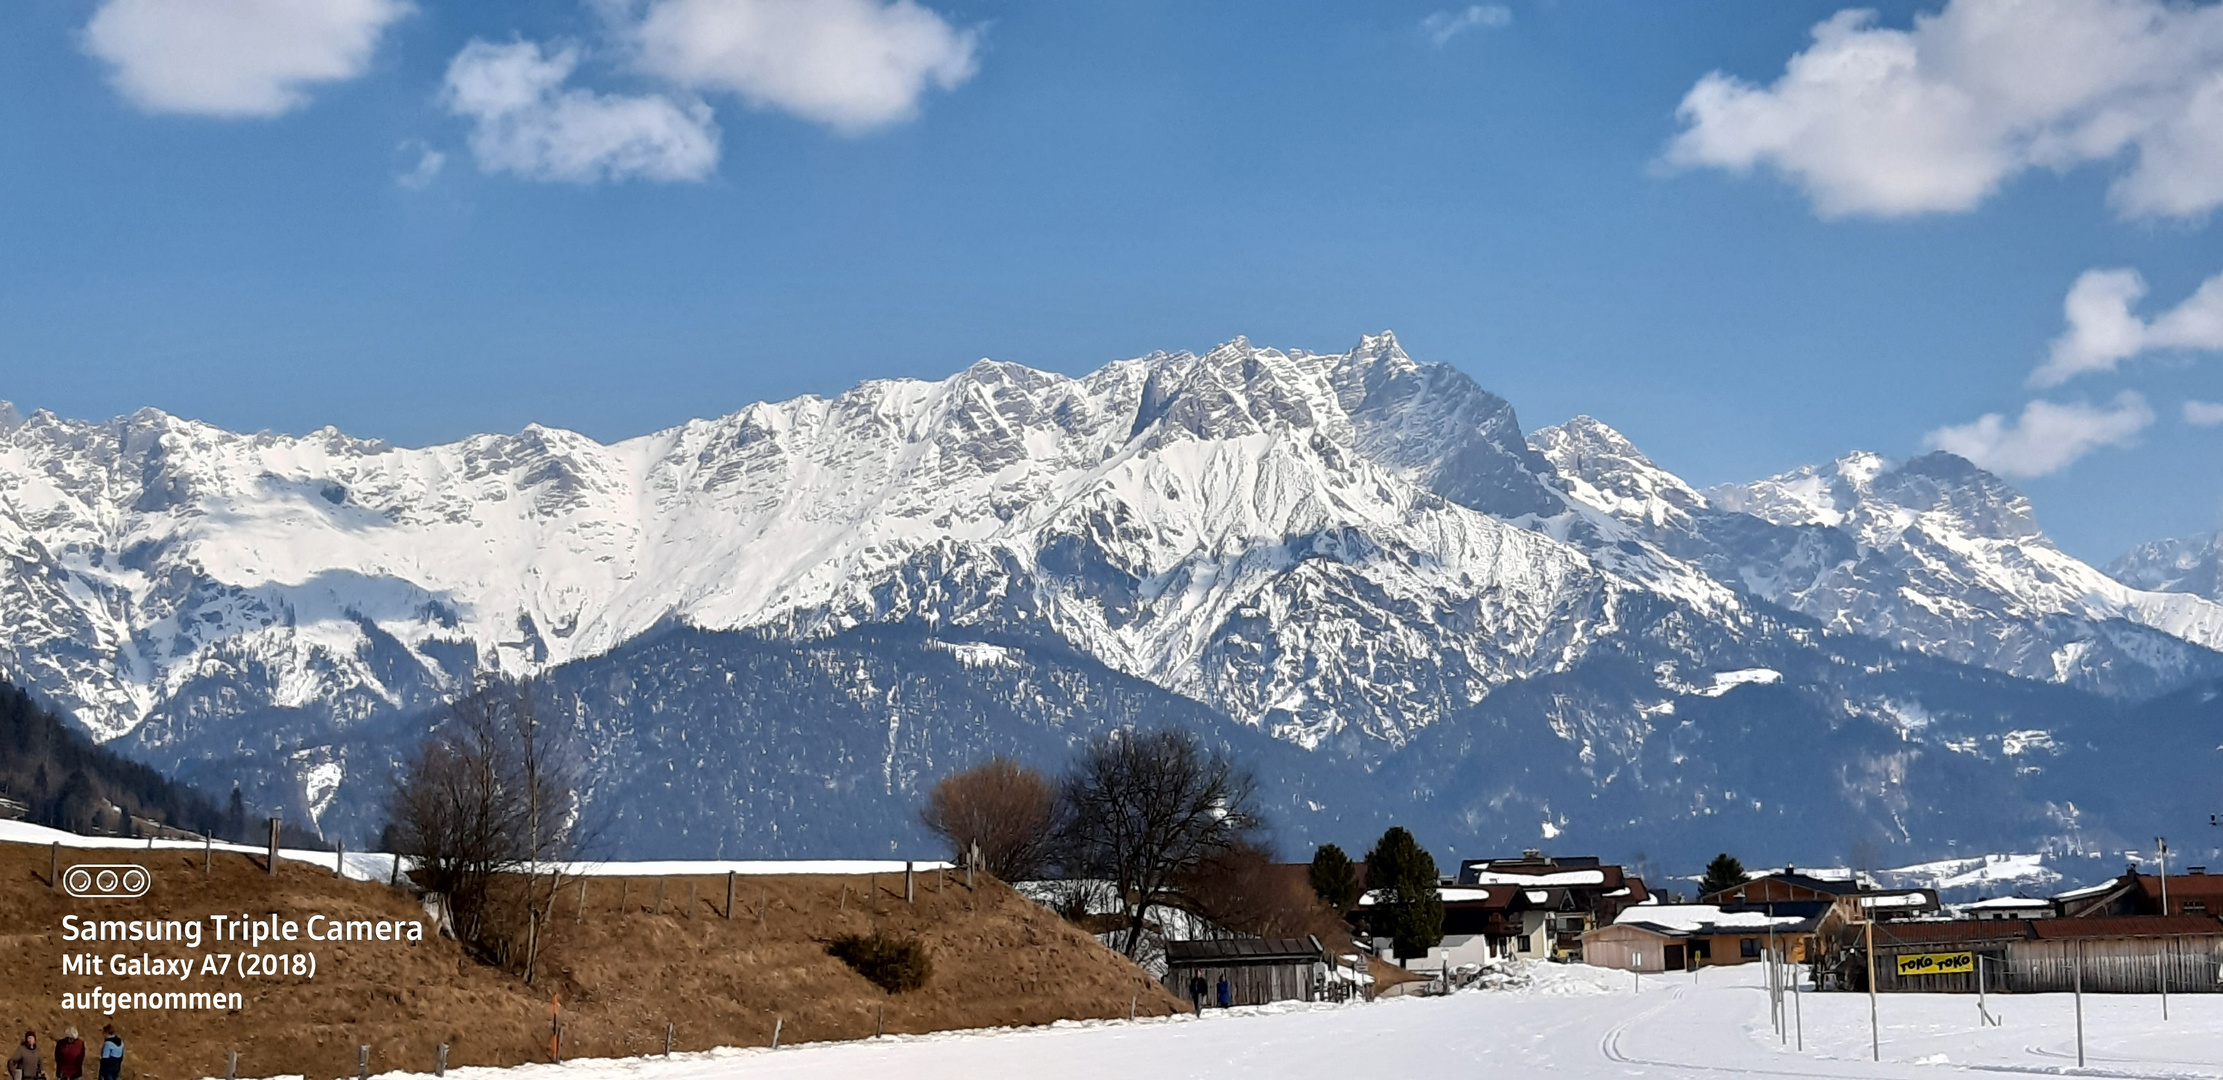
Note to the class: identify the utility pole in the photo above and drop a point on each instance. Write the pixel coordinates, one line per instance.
(2161, 849)
(2080, 1003)
(1798, 1007)
(1875, 1036)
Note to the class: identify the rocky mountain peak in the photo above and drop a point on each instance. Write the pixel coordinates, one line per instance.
(1600, 467)
(1947, 484)
(2180, 565)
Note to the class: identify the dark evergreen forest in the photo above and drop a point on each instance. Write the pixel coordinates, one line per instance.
(63, 779)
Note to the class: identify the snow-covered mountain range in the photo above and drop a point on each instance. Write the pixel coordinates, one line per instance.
(2189, 565)
(1354, 565)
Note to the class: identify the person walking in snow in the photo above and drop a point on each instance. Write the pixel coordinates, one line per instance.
(69, 1056)
(1196, 993)
(111, 1053)
(26, 1064)
(1227, 994)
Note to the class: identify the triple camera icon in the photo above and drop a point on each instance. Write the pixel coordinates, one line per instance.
(101, 881)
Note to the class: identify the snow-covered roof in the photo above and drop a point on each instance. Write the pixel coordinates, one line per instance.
(1687, 918)
(1447, 893)
(1554, 880)
(1824, 873)
(2088, 890)
(1894, 900)
(2017, 903)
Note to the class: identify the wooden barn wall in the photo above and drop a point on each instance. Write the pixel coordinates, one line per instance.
(1248, 984)
(2119, 966)
(1613, 951)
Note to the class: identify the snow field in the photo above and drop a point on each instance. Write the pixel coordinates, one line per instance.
(1569, 1021)
(379, 866)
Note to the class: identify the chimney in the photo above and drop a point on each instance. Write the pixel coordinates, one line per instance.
(2196, 870)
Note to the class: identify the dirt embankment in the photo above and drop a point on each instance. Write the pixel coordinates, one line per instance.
(639, 953)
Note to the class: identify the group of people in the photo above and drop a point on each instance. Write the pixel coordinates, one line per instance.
(69, 1056)
(1196, 993)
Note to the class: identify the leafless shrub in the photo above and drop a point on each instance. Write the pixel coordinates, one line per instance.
(894, 963)
(490, 791)
(1008, 809)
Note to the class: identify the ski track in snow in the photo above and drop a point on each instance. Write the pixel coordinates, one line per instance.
(1575, 1021)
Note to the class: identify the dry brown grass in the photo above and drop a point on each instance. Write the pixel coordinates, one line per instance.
(621, 973)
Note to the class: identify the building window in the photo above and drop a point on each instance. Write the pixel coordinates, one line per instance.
(2195, 907)
(1749, 948)
(1524, 944)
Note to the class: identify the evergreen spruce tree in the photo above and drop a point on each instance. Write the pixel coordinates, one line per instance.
(235, 818)
(1410, 910)
(1725, 872)
(1333, 880)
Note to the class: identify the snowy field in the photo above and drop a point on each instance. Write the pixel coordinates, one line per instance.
(1575, 1022)
(377, 866)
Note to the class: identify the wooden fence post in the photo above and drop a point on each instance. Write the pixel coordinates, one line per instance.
(691, 899)
(659, 896)
(907, 895)
(667, 1038)
(54, 866)
(339, 858)
(271, 867)
(362, 1061)
(729, 896)
(776, 1022)
(208, 852)
(231, 1067)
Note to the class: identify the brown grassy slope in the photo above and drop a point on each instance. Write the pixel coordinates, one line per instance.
(622, 974)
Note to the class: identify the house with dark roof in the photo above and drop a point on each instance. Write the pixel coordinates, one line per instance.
(1559, 898)
(2194, 892)
(1857, 899)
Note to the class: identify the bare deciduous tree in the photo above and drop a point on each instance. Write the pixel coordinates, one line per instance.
(1009, 809)
(1244, 890)
(490, 791)
(1143, 809)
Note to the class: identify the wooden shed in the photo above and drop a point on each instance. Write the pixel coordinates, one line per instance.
(2115, 955)
(1636, 946)
(1257, 970)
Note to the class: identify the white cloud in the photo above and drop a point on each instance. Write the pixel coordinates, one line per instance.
(419, 176)
(853, 65)
(2047, 437)
(2103, 331)
(1442, 26)
(2203, 413)
(525, 122)
(1886, 122)
(234, 58)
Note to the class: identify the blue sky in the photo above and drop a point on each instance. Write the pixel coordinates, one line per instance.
(1771, 277)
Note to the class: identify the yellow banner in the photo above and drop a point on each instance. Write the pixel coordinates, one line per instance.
(1937, 963)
